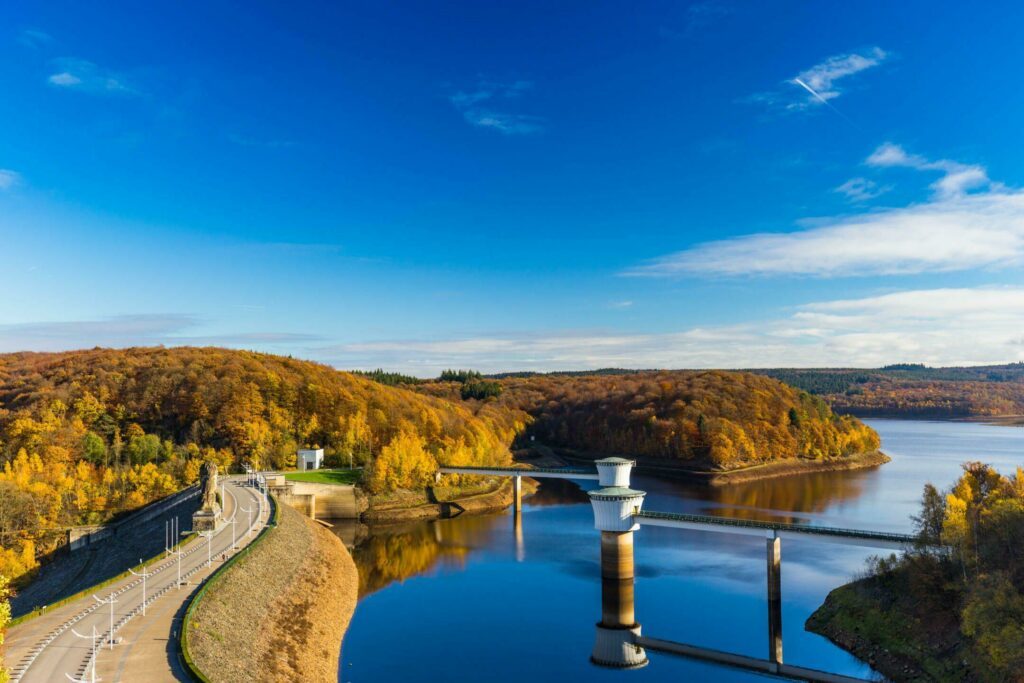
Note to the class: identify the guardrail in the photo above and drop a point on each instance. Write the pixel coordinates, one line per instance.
(39, 611)
(186, 656)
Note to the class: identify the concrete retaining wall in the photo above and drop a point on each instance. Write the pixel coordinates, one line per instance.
(333, 501)
(319, 501)
(80, 537)
(303, 502)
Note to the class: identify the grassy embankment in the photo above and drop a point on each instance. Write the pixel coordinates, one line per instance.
(279, 614)
(873, 623)
(337, 476)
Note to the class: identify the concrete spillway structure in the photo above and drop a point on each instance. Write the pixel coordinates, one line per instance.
(614, 505)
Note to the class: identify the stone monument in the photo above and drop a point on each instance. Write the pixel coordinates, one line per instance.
(208, 514)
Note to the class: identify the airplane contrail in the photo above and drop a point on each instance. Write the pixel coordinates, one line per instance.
(821, 99)
(812, 91)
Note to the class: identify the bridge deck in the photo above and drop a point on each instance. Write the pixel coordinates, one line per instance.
(879, 539)
(549, 472)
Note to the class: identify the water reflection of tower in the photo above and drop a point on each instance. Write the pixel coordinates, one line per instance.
(614, 504)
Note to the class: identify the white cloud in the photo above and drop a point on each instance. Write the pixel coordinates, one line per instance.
(818, 85)
(133, 330)
(955, 230)
(83, 75)
(938, 327)
(957, 178)
(619, 305)
(484, 106)
(9, 178)
(861, 189)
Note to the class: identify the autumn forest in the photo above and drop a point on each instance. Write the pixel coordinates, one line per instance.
(87, 435)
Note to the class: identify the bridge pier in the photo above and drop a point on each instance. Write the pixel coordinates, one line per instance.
(774, 546)
(517, 494)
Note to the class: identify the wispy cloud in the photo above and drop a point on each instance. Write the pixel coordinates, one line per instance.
(134, 330)
(85, 76)
(34, 38)
(861, 189)
(619, 305)
(957, 178)
(955, 230)
(819, 85)
(939, 327)
(9, 178)
(124, 330)
(486, 105)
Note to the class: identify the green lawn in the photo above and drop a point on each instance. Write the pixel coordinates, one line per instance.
(340, 476)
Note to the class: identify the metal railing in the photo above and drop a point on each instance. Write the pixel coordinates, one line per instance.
(780, 526)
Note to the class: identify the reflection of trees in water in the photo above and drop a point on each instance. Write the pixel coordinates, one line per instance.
(395, 553)
(557, 492)
(771, 499)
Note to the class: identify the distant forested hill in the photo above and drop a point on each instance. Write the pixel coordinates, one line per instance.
(697, 418)
(87, 434)
(915, 390)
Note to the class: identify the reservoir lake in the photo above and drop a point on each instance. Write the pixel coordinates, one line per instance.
(475, 599)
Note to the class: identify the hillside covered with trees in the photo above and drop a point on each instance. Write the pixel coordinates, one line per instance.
(711, 419)
(86, 435)
(951, 609)
(915, 390)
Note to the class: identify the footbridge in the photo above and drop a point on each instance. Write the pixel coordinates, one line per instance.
(618, 514)
(744, 527)
(517, 474)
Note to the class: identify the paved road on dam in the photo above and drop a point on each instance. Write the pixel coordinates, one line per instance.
(46, 649)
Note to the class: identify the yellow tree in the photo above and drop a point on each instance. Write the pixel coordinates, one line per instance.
(403, 463)
(5, 618)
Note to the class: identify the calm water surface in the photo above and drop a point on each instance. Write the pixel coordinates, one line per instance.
(471, 600)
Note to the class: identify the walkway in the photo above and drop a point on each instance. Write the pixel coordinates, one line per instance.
(873, 539)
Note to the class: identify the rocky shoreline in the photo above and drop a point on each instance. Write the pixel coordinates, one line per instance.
(497, 499)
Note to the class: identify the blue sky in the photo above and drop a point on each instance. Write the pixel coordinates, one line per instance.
(527, 186)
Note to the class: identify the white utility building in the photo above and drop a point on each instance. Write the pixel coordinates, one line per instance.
(311, 458)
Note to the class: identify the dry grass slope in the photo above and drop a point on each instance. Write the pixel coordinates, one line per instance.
(280, 614)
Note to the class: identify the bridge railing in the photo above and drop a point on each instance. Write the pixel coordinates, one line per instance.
(807, 529)
(551, 472)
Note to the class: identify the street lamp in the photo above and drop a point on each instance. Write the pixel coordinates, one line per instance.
(92, 657)
(111, 602)
(144, 574)
(208, 535)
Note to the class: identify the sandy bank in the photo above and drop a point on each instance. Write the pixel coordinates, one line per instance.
(280, 613)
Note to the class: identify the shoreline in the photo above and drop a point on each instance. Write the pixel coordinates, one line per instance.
(997, 420)
(873, 628)
(779, 468)
(479, 503)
